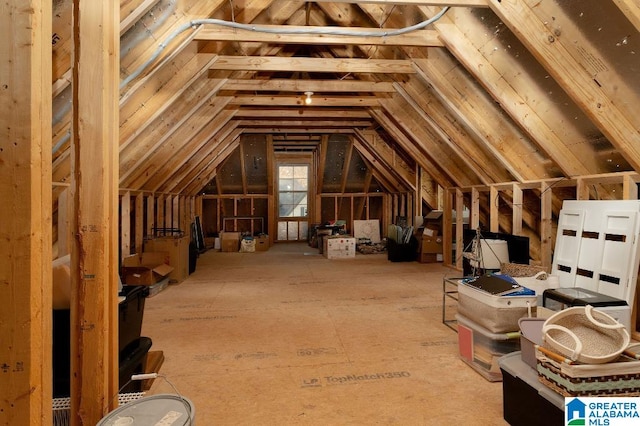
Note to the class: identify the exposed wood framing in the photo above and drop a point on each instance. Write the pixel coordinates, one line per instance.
(274, 63)
(559, 57)
(314, 35)
(25, 185)
(94, 259)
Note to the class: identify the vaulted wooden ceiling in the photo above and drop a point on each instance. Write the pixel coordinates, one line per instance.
(493, 91)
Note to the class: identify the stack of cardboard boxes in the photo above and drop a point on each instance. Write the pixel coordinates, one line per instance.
(430, 246)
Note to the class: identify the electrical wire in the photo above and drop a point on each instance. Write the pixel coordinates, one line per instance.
(196, 23)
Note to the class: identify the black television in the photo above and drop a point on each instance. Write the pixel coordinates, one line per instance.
(517, 245)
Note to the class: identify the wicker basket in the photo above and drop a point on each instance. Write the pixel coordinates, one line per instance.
(585, 335)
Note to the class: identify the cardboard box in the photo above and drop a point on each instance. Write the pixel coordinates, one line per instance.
(428, 258)
(147, 269)
(339, 247)
(431, 244)
(177, 250)
(230, 241)
(262, 243)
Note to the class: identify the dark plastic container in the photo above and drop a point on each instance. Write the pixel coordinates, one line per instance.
(132, 348)
(131, 312)
(133, 361)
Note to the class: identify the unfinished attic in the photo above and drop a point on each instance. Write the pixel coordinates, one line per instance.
(127, 123)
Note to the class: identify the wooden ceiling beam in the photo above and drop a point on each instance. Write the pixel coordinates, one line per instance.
(207, 169)
(445, 180)
(298, 64)
(298, 101)
(452, 3)
(301, 86)
(477, 114)
(442, 125)
(512, 102)
(294, 130)
(316, 35)
(301, 113)
(561, 57)
(168, 155)
(631, 9)
(409, 121)
(365, 143)
(217, 148)
(305, 123)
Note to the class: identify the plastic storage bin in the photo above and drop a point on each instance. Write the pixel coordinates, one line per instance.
(481, 349)
(130, 314)
(133, 361)
(498, 314)
(526, 401)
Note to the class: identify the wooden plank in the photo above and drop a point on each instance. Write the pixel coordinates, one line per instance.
(408, 119)
(546, 224)
(448, 135)
(163, 128)
(160, 216)
(64, 231)
(459, 235)
(94, 356)
(175, 208)
(454, 3)
(415, 152)
(291, 34)
(494, 209)
(194, 173)
(493, 80)
(131, 13)
(382, 153)
(125, 225)
(517, 209)
(631, 9)
(309, 124)
(301, 86)
(301, 113)
(139, 221)
(164, 166)
(344, 65)
(200, 159)
(297, 101)
(555, 54)
(474, 213)
(151, 214)
(25, 190)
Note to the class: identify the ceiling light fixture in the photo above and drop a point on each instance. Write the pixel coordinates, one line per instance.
(308, 100)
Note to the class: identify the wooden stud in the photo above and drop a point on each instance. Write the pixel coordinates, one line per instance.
(151, 215)
(64, 231)
(517, 210)
(125, 225)
(25, 190)
(139, 223)
(459, 228)
(94, 260)
(546, 229)
(494, 210)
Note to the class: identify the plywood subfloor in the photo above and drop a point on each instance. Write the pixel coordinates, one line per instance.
(287, 337)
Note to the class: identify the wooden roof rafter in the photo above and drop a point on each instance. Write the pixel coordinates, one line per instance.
(570, 70)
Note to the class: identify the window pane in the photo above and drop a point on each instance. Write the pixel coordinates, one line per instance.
(300, 172)
(300, 184)
(285, 172)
